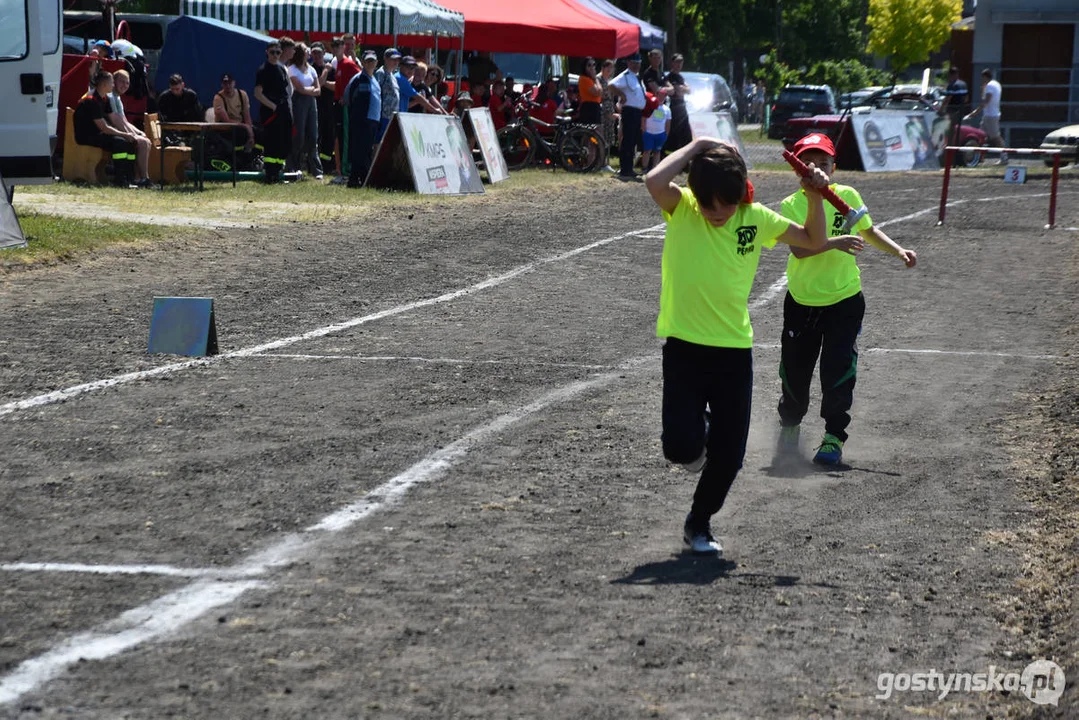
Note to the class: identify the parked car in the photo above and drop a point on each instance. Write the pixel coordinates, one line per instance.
(1066, 140)
(907, 98)
(856, 98)
(709, 92)
(799, 101)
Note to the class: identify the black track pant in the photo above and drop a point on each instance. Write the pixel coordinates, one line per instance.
(276, 138)
(721, 378)
(123, 157)
(831, 333)
(361, 141)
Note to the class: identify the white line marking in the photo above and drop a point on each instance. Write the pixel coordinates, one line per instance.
(167, 614)
(925, 351)
(76, 390)
(417, 359)
(147, 622)
(167, 570)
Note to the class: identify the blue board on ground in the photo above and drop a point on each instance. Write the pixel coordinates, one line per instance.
(183, 326)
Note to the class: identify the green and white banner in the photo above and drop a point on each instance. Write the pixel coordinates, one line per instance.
(334, 16)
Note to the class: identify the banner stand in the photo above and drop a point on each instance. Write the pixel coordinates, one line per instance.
(480, 128)
(428, 154)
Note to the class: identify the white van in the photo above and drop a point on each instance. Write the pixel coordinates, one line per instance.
(30, 57)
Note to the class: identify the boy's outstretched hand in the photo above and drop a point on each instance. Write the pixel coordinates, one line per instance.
(909, 257)
(850, 244)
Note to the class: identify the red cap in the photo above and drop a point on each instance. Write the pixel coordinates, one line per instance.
(814, 141)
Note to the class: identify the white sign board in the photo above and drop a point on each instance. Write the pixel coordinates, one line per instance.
(718, 125)
(1015, 175)
(426, 153)
(483, 129)
(892, 140)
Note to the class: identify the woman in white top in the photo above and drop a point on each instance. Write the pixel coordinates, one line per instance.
(305, 92)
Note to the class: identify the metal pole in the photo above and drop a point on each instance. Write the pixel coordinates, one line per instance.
(1053, 190)
(949, 156)
(460, 65)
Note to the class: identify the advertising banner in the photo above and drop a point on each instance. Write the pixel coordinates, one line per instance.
(718, 125)
(891, 140)
(481, 128)
(426, 153)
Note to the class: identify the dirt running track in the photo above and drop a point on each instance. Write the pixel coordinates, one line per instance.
(459, 508)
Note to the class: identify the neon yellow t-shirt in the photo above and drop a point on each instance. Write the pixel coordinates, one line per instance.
(708, 272)
(828, 277)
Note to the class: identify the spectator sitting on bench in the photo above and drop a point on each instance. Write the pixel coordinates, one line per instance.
(91, 129)
(118, 119)
(233, 106)
(179, 104)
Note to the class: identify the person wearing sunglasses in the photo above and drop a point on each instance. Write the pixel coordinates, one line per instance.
(271, 90)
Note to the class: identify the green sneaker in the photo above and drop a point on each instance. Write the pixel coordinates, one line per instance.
(830, 451)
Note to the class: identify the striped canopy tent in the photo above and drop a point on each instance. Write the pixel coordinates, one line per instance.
(360, 17)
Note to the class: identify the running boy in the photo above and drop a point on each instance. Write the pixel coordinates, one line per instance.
(822, 313)
(710, 255)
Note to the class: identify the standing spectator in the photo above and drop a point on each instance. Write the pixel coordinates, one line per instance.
(501, 106)
(180, 103)
(345, 68)
(990, 107)
(654, 128)
(118, 119)
(480, 93)
(408, 96)
(387, 83)
(271, 90)
(591, 94)
(545, 103)
(757, 108)
(680, 134)
(654, 72)
(305, 92)
(610, 113)
(362, 98)
(92, 129)
(436, 82)
(481, 68)
(232, 106)
(955, 101)
(326, 76)
(419, 84)
(627, 87)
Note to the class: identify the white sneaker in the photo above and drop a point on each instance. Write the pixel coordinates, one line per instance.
(699, 537)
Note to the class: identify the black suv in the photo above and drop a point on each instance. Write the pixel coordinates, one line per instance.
(799, 101)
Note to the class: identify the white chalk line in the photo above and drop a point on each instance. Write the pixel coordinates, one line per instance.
(165, 570)
(169, 613)
(172, 611)
(432, 360)
(929, 351)
(77, 390)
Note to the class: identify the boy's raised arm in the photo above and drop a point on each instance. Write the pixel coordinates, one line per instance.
(660, 180)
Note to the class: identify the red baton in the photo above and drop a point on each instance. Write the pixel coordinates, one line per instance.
(852, 216)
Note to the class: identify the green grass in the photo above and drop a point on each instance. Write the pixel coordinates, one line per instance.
(52, 239)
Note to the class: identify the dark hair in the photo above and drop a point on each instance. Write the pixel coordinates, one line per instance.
(100, 76)
(590, 61)
(718, 175)
(953, 70)
(607, 63)
(176, 79)
(287, 42)
(987, 73)
(273, 44)
(677, 56)
(300, 56)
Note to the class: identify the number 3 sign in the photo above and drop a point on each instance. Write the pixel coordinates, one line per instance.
(1017, 175)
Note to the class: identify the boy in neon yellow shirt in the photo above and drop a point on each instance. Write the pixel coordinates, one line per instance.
(710, 254)
(822, 313)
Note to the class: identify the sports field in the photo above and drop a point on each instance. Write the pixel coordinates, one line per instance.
(424, 477)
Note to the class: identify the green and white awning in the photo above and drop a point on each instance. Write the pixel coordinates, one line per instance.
(362, 17)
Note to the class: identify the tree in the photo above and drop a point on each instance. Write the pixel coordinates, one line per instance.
(907, 31)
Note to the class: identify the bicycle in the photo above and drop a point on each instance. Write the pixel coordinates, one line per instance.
(576, 147)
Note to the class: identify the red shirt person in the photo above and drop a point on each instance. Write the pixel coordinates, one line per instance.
(501, 105)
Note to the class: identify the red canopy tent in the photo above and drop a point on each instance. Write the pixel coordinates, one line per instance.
(550, 27)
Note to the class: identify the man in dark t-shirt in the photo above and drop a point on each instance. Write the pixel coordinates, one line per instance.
(956, 102)
(680, 134)
(271, 91)
(654, 71)
(179, 104)
(91, 128)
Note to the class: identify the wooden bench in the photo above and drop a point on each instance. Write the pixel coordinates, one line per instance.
(82, 162)
(177, 157)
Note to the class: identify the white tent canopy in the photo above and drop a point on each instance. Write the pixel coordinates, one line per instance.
(362, 17)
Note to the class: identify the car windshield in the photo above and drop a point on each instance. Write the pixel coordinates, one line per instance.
(795, 96)
(521, 67)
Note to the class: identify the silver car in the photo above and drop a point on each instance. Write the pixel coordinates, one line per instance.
(1066, 140)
